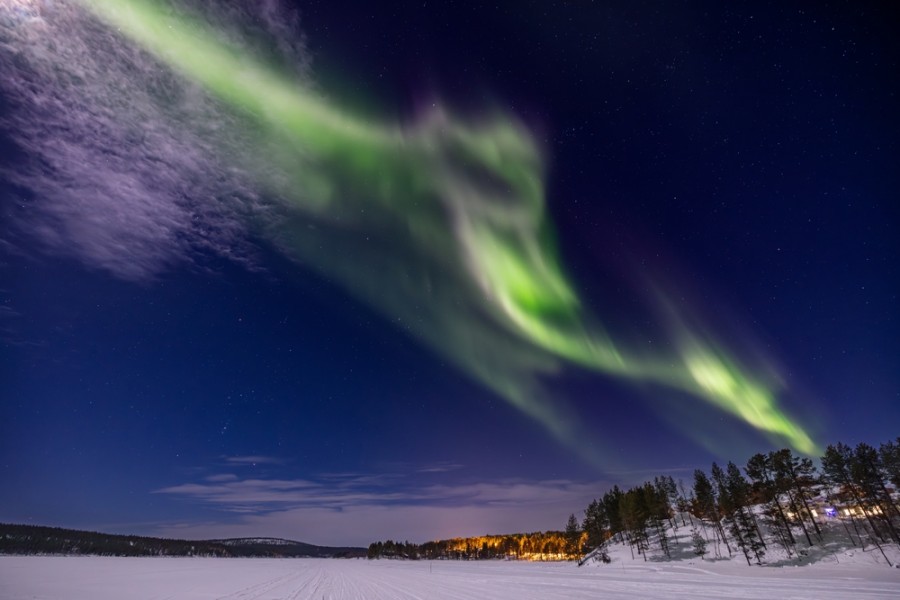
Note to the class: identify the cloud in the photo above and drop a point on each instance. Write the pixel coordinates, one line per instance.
(359, 509)
(121, 164)
(264, 494)
(364, 524)
(440, 468)
(222, 477)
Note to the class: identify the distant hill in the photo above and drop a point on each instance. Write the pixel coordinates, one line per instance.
(32, 539)
(278, 547)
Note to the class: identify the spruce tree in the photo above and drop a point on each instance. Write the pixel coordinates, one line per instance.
(573, 536)
(634, 514)
(703, 496)
(611, 505)
(595, 524)
(699, 543)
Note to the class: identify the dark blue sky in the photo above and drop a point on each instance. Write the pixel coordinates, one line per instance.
(742, 157)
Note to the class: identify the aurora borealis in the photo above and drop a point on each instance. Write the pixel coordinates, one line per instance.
(487, 215)
(154, 138)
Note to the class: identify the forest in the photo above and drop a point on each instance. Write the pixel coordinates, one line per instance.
(33, 539)
(546, 545)
(777, 498)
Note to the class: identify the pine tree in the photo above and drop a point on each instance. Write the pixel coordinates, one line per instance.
(799, 475)
(704, 499)
(683, 504)
(779, 528)
(658, 508)
(699, 543)
(670, 490)
(782, 468)
(573, 536)
(749, 535)
(634, 514)
(759, 469)
(728, 508)
(707, 506)
(866, 470)
(596, 524)
(890, 461)
(612, 501)
(723, 503)
(836, 472)
(375, 550)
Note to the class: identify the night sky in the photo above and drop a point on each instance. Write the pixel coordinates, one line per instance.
(189, 350)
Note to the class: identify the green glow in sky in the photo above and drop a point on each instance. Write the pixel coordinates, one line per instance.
(441, 226)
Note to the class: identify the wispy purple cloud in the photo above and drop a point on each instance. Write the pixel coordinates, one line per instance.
(221, 477)
(122, 164)
(359, 508)
(442, 467)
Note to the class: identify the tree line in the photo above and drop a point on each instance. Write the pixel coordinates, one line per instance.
(541, 545)
(33, 539)
(777, 498)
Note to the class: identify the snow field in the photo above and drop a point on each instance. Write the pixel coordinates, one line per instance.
(114, 578)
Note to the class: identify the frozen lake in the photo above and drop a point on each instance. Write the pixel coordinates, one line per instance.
(103, 578)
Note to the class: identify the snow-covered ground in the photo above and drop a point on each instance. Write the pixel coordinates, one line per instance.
(103, 578)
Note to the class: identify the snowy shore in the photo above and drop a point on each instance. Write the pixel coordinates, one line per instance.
(111, 578)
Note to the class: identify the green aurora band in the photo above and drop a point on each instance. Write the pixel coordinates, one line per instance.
(460, 254)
